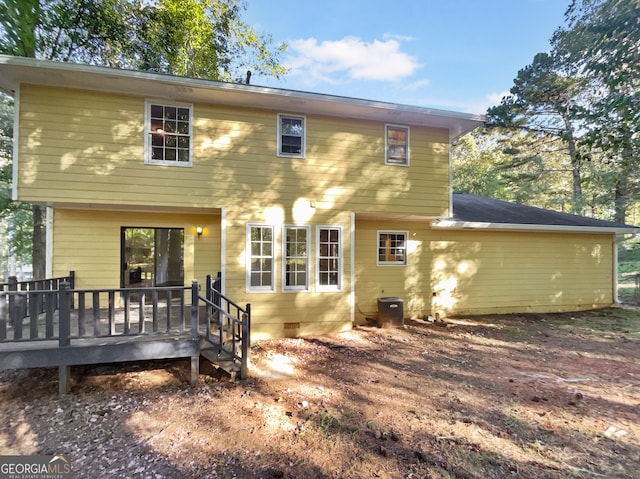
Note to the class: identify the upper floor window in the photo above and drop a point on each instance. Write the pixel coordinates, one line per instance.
(397, 145)
(295, 257)
(329, 258)
(291, 136)
(260, 258)
(168, 133)
(392, 247)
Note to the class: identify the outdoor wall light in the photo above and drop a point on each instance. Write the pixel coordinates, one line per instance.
(199, 231)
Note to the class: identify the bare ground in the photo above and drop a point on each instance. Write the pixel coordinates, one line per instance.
(518, 396)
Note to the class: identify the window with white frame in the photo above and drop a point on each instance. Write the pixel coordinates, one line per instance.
(329, 258)
(168, 133)
(291, 136)
(392, 247)
(260, 258)
(295, 258)
(397, 145)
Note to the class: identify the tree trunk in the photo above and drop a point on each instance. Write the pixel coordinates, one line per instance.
(577, 201)
(620, 200)
(39, 259)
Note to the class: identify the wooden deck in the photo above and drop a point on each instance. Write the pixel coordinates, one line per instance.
(163, 325)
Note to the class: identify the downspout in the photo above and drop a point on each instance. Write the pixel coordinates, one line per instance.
(352, 293)
(49, 243)
(223, 249)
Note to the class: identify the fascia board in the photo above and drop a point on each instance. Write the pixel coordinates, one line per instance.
(469, 225)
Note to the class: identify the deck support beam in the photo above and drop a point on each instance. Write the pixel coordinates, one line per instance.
(64, 379)
(195, 369)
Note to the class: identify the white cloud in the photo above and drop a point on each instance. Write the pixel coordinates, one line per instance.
(330, 60)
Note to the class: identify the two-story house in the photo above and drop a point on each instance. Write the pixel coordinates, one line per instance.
(311, 206)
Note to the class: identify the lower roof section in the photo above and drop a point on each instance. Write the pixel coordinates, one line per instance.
(479, 212)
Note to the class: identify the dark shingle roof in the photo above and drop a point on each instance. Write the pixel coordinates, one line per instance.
(479, 209)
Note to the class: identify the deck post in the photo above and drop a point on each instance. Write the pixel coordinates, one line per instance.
(195, 359)
(64, 379)
(64, 313)
(15, 308)
(246, 340)
(194, 309)
(72, 285)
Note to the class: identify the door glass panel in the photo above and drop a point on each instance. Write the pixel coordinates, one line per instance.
(152, 257)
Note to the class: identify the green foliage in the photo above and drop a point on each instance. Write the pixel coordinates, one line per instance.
(576, 111)
(203, 38)
(600, 44)
(196, 38)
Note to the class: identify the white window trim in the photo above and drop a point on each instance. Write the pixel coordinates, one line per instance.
(304, 136)
(259, 289)
(286, 288)
(386, 146)
(392, 263)
(147, 133)
(320, 288)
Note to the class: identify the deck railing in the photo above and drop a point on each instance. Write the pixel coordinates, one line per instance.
(29, 299)
(228, 325)
(67, 314)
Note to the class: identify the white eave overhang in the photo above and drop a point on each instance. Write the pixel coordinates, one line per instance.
(471, 225)
(19, 70)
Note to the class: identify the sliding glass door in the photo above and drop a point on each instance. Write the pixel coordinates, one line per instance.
(152, 257)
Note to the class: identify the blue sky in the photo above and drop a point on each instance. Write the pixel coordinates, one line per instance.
(458, 55)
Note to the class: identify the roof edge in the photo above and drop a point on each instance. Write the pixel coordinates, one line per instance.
(472, 225)
(471, 120)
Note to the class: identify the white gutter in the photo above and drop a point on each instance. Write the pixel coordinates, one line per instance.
(472, 225)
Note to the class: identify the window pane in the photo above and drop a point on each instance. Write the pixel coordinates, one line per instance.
(183, 155)
(291, 144)
(392, 248)
(329, 257)
(292, 126)
(169, 126)
(157, 140)
(157, 111)
(261, 250)
(183, 127)
(165, 123)
(397, 144)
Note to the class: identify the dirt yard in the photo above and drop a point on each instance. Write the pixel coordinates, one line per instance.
(527, 396)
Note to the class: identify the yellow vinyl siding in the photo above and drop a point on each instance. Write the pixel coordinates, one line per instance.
(410, 282)
(88, 242)
(275, 313)
(87, 148)
(475, 272)
(499, 272)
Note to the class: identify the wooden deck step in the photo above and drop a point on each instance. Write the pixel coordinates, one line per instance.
(220, 360)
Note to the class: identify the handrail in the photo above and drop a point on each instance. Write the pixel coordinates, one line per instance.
(93, 313)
